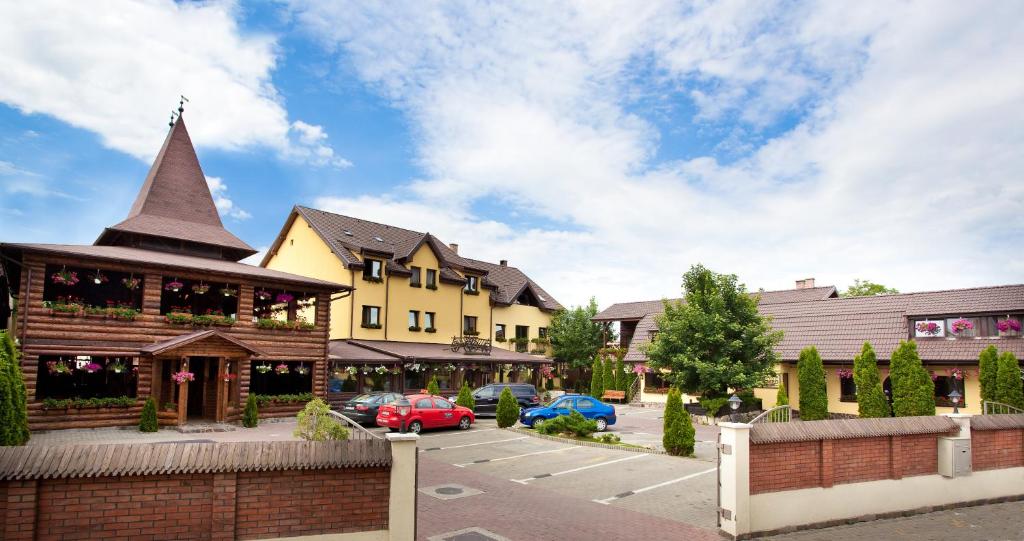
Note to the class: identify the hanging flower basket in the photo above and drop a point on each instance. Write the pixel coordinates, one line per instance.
(58, 368)
(174, 286)
(962, 327)
(396, 370)
(381, 370)
(99, 278)
(229, 292)
(230, 377)
(282, 369)
(183, 376)
(957, 373)
(117, 367)
(844, 373)
(200, 289)
(263, 368)
(65, 277)
(263, 295)
(1008, 327)
(285, 298)
(302, 370)
(92, 367)
(131, 283)
(352, 370)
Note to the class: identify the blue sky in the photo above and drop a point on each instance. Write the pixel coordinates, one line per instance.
(601, 148)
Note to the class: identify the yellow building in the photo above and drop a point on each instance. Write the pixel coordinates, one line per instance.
(417, 305)
(838, 328)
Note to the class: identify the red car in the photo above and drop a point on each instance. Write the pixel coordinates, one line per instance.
(427, 412)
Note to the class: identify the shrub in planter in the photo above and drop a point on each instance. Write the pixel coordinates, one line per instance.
(433, 388)
(679, 435)
(316, 424)
(988, 369)
(251, 415)
(574, 425)
(813, 393)
(1008, 387)
(148, 423)
(871, 400)
(508, 409)
(465, 398)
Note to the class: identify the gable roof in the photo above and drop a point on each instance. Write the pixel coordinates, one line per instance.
(175, 202)
(347, 236)
(625, 311)
(197, 336)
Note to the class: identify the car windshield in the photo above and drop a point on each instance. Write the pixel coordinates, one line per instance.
(362, 398)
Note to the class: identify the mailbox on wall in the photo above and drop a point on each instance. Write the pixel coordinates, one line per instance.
(954, 457)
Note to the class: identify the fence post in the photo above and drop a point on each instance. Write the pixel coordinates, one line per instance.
(402, 505)
(734, 475)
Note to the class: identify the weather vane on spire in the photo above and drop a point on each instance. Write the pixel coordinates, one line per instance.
(173, 114)
(181, 105)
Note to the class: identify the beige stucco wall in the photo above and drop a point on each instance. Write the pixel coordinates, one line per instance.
(518, 314)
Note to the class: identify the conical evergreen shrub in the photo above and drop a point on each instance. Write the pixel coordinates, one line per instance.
(678, 437)
(608, 383)
(1008, 386)
(433, 388)
(13, 397)
(508, 409)
(251, 414)
(988, 373)
(465, 398)
(781, 398)
(148, 421)
(813, 392)
(913, 391)
(597, 378)
(871, 400)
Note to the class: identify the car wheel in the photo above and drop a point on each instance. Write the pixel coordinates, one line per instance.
(602, 424)
(538, 422)
(415, 427)
(464, 423)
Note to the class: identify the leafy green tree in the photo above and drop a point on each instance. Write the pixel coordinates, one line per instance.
(575, 339)
(608, 381)
(913, 391)
(465, 398)
(597, 378)
(433, 388)
(866, 288)
(251, 414)
(316, 424)
(13, 397)
(813, 391)
(679, 435)
(716, 339)
(871, 400)
(988, 369)
(1008, 384)
(508, 409)
(148, 422)
(781, 398)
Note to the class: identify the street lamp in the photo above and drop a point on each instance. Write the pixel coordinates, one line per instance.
(954, 397)
(402, 407)
(734, 405)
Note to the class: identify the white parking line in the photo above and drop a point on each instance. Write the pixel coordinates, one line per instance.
(460, 433)
(574, 470)
(608, 501)
(486, 460)
(471, 444)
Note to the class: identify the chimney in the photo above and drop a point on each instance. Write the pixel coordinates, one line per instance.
(454, 247)
(806, 283)
(503, 262)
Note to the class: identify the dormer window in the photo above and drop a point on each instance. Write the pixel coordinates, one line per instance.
(472, 285)
(373, 270)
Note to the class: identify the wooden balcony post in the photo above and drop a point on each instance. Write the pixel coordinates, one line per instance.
(182, 393)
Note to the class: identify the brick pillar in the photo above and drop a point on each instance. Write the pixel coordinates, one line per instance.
(224, 505)
(827, 464)
(896, 457)
(22, 501)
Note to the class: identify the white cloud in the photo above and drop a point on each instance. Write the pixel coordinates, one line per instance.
(225, 206)
(904, 165)
(117, 67)
(15, 181)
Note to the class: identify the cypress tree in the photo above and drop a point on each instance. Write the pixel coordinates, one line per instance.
(508, 409)
(619, 374)
(813, 392)
(781, 398)
(988, 369)
(8, 432)
(251, 414)
(913, 391)
(1008, 386)
(608, 382)
(679, 434)
(148, 422)
(597, 378)
(465, 398)
(871, 400)
(433, 388)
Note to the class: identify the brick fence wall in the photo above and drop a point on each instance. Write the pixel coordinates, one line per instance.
(996, 449)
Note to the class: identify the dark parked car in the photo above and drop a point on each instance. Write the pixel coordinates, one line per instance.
(363, 408)
(487, 397)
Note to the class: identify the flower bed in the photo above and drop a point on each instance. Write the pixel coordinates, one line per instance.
(79, 403)
(275, 399)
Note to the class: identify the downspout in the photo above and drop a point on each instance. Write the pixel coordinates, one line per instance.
(352, 304)
(387, 295)
(462, 313)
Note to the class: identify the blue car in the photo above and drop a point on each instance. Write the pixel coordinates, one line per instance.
(590, 407)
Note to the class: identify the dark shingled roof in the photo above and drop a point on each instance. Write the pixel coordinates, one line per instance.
(347, 236)
(844, 429)
(175, 201)
(197, 336)
(173, 458)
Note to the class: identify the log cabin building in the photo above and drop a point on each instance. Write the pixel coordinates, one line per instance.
(160, 306)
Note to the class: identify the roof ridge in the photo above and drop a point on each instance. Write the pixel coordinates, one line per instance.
(364, 220)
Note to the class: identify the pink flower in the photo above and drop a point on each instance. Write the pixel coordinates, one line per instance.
(183, 376)
(1006, 325)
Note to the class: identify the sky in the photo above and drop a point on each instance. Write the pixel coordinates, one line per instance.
(601, 147)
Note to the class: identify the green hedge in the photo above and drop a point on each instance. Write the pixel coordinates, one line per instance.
(871, 400)
(76, 403)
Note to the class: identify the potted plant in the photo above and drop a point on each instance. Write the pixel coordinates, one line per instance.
(132, 283)
(282, 369)
(96, 312)
(173, 286)
(263, 368)
(179, 315)
(302, 369)
(962, 327)
(65, 277)
(230, 376)
(92, 367)
(200, 288)
(183, 376)
(284, 298)
(1008, 327)
(229, 292)
(117, 367)
(63, 307)
(263, 295)
(58, 368)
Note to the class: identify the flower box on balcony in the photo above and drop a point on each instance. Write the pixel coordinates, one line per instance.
(962, 328)
(1008, 327)
(178, 318)
(929, 329)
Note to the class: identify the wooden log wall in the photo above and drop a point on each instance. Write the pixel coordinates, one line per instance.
(46, 334)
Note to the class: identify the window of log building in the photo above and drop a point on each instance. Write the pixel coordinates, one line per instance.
(92, 287)
(198, 297)
(282, 377)
(62, 377)
(283, 305)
